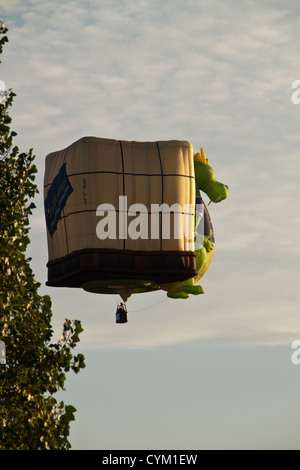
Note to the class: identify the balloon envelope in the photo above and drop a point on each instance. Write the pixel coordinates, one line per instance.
(118, 215)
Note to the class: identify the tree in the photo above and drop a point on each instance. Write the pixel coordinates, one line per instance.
(35, 368)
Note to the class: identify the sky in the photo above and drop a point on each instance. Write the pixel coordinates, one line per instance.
(213, 371)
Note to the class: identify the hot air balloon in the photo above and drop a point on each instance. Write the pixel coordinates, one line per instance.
(122, 217)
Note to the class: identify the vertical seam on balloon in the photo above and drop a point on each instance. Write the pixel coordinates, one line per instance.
(162, 193)
(123, 173)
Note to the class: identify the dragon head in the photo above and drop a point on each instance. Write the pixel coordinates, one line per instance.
(206, 181)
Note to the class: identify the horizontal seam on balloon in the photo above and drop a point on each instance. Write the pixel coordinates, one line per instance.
(125, 174)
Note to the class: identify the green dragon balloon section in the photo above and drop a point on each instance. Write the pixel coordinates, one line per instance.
(204, 181)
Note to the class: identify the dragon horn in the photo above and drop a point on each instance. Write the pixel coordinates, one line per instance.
(203, 157)
(200, 157)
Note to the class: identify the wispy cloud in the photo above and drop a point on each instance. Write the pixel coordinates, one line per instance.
(217, 74)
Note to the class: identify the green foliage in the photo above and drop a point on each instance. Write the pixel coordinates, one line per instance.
(30, 416)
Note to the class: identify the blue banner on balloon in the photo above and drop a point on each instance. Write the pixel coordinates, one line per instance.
(56, 199)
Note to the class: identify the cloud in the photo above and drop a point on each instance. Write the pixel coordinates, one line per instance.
(217, 75)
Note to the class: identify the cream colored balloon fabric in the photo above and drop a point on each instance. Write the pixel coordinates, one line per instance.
(100, 171)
